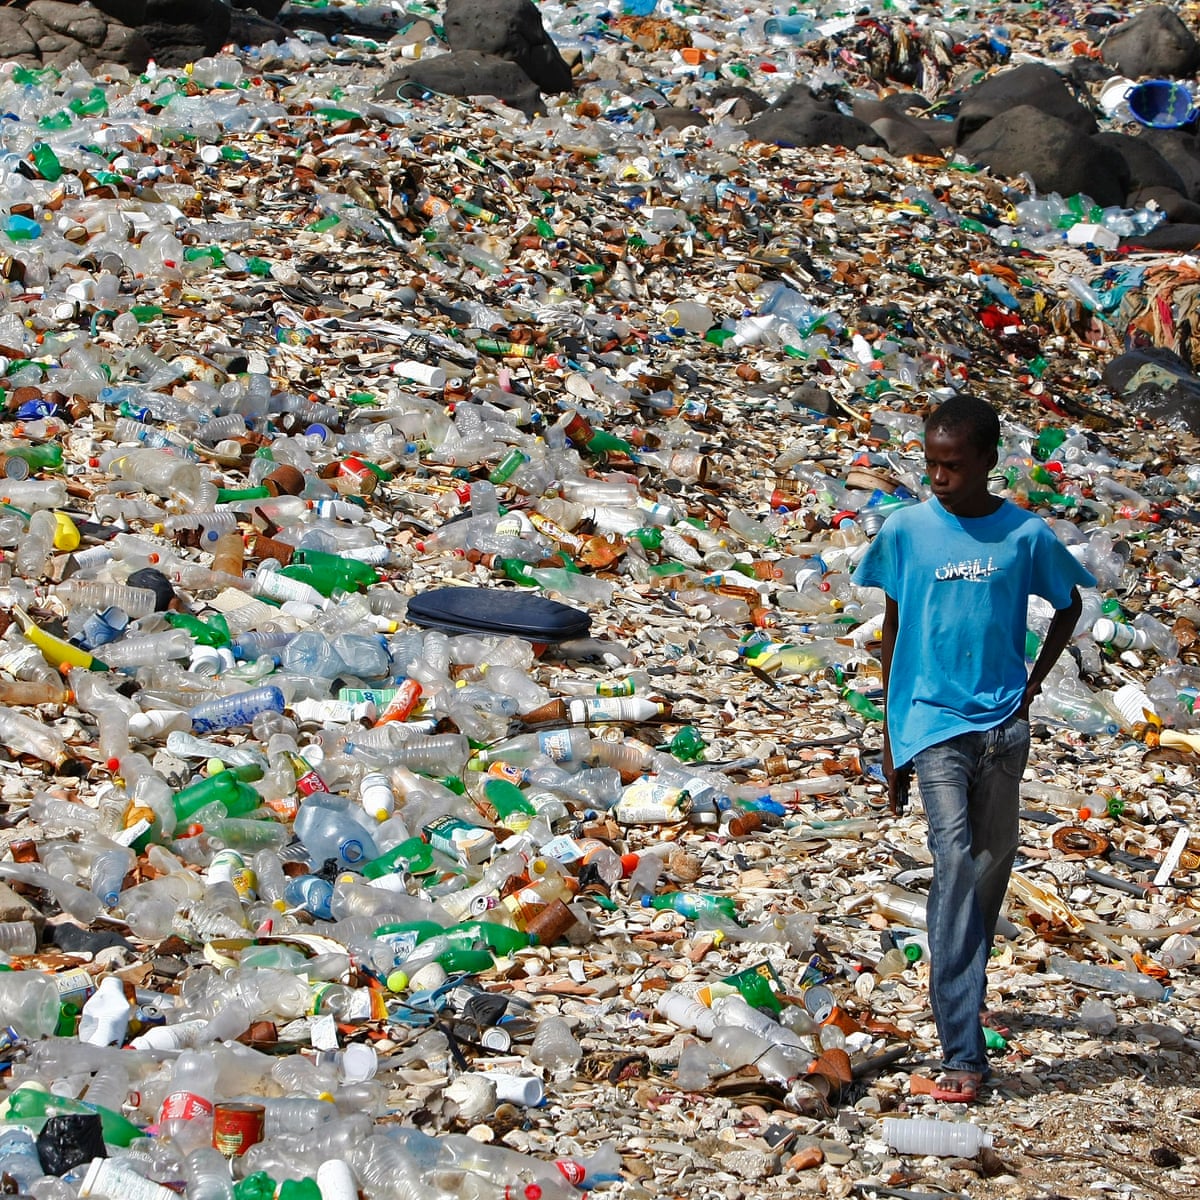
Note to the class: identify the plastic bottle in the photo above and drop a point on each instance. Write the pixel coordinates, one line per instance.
(893, 902)
(687, 1012)
(18, 937)
(692, 905)
(192, 1087)
(208, 1175)
(329, 828)
(19, 1159)
(926, 1135)
(565, 746)
(29, 1002)
(1119, 635)
(554, 1045)
(237, 709)
(1109, 979)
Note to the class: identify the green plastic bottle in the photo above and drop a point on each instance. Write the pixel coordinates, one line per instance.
(362, 573)
(259, 1186)
(299, 1189)
(31, 1102)
(457, 959)
(414, 856)
(47, 456)
(230, 788)
(327, 577)
(690, 905)
(213, 632)
(505, 804)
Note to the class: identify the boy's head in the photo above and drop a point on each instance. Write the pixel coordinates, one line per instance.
(961, 447)
(969, 416)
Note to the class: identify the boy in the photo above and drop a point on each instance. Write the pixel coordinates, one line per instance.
(958, 571)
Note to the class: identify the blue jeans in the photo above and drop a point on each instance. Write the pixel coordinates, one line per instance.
(970, 788)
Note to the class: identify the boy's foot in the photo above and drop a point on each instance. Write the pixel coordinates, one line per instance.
(957, 1087)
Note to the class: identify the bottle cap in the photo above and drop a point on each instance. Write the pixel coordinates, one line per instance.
(1104, 630)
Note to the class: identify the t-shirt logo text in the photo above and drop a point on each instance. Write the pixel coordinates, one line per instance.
(973, 570)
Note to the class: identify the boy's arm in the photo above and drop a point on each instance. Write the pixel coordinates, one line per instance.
(897, 781)
(1057, 637)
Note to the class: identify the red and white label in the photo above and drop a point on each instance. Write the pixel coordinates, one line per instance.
(573, 1172)
(184, 1106)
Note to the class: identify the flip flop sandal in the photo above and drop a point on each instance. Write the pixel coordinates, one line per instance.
(957, 1087)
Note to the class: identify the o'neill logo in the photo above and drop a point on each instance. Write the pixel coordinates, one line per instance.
(973, 570)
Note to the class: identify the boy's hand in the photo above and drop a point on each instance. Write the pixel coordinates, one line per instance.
(898, 782)
(1033, 689)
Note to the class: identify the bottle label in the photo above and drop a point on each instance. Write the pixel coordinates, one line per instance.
(573, 1172)
(555, 744)
(184, 1106)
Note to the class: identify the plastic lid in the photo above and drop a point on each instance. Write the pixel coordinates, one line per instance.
(1104, 630)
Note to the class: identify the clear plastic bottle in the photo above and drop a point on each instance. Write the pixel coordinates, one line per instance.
(208, 1175)
(192, 1088)
(19, 1158)
(926, 1135)
(238, 709)
(18, 937)
(29, 1001)
(1109, 979)
(25, 735)
(554, 1045)
(35, 548)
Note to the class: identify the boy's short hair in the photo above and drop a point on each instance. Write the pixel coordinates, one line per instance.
(968, 415)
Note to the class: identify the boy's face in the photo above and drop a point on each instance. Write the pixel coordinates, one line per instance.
(958, 472)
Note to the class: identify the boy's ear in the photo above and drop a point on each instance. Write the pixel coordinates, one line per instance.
(993, 457)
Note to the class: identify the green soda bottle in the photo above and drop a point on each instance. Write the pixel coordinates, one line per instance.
(213, 632)
(46, 162)
(47, 456)
(259, 1186)
(690, 905)
(229, 788)
(329, 576)
(361, 572)
(299, 1189)
(503, 803)
(31, 1102)
(414, 856)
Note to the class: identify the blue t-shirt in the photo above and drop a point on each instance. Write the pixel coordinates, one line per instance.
(962, 586)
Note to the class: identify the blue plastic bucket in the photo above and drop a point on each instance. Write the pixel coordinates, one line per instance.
(1161, 103)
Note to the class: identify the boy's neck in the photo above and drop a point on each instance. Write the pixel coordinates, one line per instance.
(982, 505)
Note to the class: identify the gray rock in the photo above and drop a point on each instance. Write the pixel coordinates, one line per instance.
(56, 33)
(677, 118)
(466, 73)
(1154, 43)
(1182, 151)
(180, 31)
(1175, 204)
(903, 134)
(1032, 85)
(1026, 140)
(1147, 167)
(798, 118)
(508, 29)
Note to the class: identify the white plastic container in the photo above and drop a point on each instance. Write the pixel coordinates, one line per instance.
(925, 1135)
(1132, 703)
(687, 1012)
(105, 1017)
